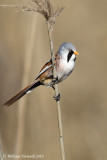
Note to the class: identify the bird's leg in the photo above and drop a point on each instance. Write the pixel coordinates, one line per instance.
(55, 80)
(57, 98)
(53, 88)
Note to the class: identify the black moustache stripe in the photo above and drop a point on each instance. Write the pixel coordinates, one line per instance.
(69, 55)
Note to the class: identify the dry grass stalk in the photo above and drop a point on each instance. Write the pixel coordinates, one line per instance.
(45, 8)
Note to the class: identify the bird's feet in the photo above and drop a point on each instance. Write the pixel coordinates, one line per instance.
(57, 98)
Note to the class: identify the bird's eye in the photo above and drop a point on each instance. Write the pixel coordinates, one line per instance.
(69, 55)
(71, 52)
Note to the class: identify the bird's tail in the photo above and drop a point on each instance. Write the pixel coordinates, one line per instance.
(24, 91)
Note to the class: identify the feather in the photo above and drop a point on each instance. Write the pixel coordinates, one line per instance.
(20, 94)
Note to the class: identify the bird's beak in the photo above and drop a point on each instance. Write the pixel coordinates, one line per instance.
(76, 53)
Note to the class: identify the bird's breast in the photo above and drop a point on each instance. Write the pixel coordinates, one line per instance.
(64, 69)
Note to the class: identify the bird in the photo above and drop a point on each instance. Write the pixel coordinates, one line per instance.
(64, 64)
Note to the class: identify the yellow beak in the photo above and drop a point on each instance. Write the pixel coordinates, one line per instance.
(76, 53)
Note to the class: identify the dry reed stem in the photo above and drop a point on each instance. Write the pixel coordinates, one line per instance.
(56, 93)
(27, 68)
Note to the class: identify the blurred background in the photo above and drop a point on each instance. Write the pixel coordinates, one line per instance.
(24, 44)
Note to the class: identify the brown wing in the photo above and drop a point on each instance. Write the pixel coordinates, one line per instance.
(47, 64)
(45, 76)
(57, 56)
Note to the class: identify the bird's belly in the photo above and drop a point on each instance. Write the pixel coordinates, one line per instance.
(64, 69)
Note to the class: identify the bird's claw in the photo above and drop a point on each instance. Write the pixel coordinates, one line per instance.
(57, 98)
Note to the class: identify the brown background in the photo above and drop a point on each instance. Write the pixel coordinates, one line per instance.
(83, 94)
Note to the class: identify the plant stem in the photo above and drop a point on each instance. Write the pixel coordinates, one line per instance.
(50, 29)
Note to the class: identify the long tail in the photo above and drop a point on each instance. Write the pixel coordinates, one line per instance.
(24, 91)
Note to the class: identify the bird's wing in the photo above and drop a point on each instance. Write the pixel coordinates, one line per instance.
(45, 76)
(46, 71)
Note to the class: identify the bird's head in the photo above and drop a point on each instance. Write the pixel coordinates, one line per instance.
(68, 51)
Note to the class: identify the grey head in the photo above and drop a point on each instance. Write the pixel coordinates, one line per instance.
(68, 51)
(67, 46)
